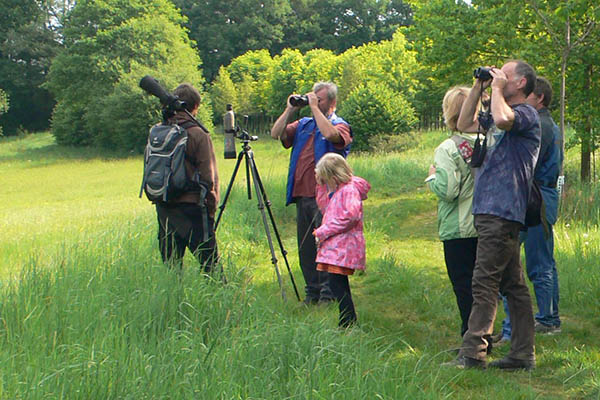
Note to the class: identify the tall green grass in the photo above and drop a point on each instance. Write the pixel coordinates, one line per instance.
(87, 310)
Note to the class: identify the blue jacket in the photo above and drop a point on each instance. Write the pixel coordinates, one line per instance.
(305, 128)
(548, 165)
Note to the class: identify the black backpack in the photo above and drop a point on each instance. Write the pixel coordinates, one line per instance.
(164, 167)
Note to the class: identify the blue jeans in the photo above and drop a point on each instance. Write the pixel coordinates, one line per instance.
(541, 270)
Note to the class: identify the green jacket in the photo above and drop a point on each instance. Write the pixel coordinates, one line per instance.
(453, 185)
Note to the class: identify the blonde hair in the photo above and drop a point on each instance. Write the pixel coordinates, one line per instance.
(452, 103)
(333, 167)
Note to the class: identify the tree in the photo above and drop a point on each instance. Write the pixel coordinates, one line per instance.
(225, 29)
(223, 92)
(29, 39)
(109, 46)
(570, 25)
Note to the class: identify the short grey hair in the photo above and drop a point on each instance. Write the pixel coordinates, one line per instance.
(332, 89)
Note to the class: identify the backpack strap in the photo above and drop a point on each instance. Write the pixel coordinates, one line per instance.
(187, 124)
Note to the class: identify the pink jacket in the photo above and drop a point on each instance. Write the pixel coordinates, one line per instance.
(341, 233)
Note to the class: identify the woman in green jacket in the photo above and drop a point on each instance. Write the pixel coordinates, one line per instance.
(451, 180)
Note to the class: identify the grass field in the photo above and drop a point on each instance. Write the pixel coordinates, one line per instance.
(87, 310)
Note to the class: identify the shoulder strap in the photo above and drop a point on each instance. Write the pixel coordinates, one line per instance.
(187, 124)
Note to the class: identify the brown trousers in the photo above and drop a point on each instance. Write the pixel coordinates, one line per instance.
(498, 268)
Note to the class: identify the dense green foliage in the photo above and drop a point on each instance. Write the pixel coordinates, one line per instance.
(225, 29)
(28, 43)
(109, 46)
(255, 53)
(89, 311)
(376, 84)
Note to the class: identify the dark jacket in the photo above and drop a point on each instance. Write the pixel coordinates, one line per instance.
(200, 156)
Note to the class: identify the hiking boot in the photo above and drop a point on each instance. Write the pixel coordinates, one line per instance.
(464, 362)
(512, 364)
(546, 329)
(309, 301)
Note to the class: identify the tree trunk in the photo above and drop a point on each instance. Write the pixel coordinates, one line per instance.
(586, 138)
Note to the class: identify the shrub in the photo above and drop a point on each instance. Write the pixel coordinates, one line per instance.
(373, 109)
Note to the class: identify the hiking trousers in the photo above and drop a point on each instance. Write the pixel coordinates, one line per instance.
(460, 256)
(308, 218)
(182, 225)
(498, 268)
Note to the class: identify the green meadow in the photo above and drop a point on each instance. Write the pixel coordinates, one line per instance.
(88, 311)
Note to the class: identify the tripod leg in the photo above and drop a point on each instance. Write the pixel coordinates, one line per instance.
(229, 187)
(248, 175)
(275, 230)
(261, 207)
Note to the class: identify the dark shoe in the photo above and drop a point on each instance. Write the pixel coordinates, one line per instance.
(326, 300)
(463, 362)
(512, 364)
(310, 301)
(546, 329)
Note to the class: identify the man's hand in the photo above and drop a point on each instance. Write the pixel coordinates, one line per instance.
(313, 101)
(431, 169)
(499, 79)
(278, 128)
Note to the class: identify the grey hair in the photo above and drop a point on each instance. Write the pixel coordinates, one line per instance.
(332, 89)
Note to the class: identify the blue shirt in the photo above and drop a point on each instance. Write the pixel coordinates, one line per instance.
(503, 181)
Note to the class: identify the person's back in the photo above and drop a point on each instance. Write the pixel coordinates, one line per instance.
(451, 180)
(188, 221)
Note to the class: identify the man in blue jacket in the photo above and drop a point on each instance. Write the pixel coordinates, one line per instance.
(310, 138)
(539, 245)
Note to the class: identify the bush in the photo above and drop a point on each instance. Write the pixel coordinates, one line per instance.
(373, 109)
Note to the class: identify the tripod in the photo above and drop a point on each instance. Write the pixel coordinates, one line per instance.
(263, 202)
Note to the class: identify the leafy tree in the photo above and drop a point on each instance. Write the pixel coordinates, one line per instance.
(225, 29)
(109, 46)
(28, 42)
(287, 73)
(223, 92)
(373, 109)
(321, 65)
(341, 24)
(251, 73)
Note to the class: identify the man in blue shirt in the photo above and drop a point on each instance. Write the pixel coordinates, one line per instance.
(502, 186)
(539, 244)
(310, 139)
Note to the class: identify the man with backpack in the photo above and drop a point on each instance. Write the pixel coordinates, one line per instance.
(187, 219)
(502, 186)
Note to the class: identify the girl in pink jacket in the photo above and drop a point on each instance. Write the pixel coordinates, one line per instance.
(340, 240)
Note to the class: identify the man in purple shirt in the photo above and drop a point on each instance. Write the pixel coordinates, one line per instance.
(502, 186)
